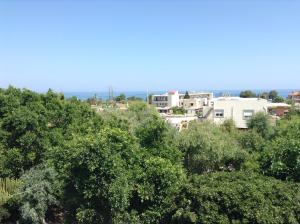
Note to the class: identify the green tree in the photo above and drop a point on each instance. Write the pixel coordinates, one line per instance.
(120, 98)
(229, 126)
(109, 179)
(251, 141)
(278, 99)
(186, 95)
(208, 148)
(247, 94)
(157, 186)
(37, 193)
(238, 197)
(137, 108)
(152, 132)
(96, 173)
(134, 98)
(260, 122)
(31, 123)
(282, 156)
(178, 110)
(264, 95)
(273, 94)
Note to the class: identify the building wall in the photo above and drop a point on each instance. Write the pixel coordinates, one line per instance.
(160, 100)
(295, 96)
(296, 99)
(173, 99)
(187, 103)
(238, 109)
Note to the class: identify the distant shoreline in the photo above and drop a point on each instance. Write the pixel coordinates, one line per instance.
(82, 95)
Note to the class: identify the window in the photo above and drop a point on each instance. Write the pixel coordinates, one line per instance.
(192, 104)
(247, 114)
(219, 113)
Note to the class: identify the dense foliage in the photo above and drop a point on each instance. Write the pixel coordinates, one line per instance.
(65, 163)
(178, 110)
(207, 149)
(239, 197)
(247, 94)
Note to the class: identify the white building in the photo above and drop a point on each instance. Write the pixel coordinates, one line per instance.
(240, 110)
(171, 99)
(180, 122)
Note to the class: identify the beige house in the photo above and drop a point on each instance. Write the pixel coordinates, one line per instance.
(240, 110)
(295, 97)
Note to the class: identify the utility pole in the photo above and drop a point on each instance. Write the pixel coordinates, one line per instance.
(110, 93)
(147, 97)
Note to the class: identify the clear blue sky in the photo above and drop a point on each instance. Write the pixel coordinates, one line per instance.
(152, 44)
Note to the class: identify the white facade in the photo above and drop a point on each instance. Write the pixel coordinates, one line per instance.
(179, 121)
(174, 99)
(203, 106)
(240, 110)
(199, 95)
(170, 99)
(160, 100)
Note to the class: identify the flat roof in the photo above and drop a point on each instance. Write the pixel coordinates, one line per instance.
(182, 94)
(164, 94)
(236, 98)
(278, 105)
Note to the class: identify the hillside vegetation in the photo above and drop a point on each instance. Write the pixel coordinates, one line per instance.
(61, 162)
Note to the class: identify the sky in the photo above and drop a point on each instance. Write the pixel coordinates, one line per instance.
(151, 44)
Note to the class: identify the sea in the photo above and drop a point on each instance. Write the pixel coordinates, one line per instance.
(104, 95)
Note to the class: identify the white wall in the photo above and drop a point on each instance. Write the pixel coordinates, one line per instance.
(234, 109)
(160, 102)
(173, 99)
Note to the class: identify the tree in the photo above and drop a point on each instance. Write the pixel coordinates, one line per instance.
(282, 156)
(131, 166)
(37, 193)
(238, 197)
(25, 137)
(178, 110)
(208, 149)
(278, 99)
(229, 126)
(251, 141)
(107, 178)
(96, 171)
(31, 123)
(152, 132)
(273, 94)
(157, 186)
(264, 95)
(261, 124)
(137, 107)
(120, 98)
(186, 95)
(247, 94)
(134, 98)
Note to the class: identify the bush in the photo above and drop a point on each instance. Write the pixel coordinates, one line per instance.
(240, 197)
(208, 149)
